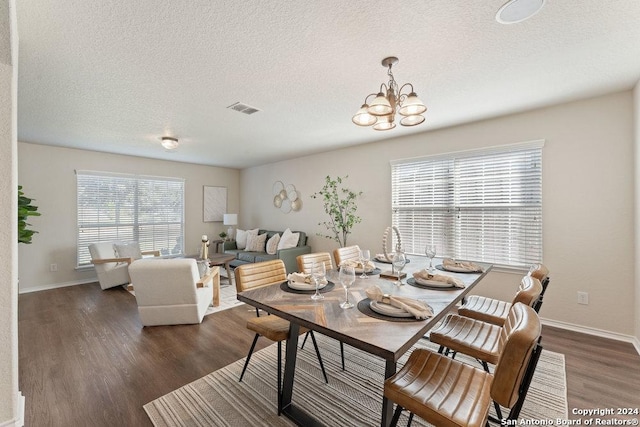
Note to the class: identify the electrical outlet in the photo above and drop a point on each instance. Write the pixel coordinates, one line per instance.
(53, 268)
(583, 298)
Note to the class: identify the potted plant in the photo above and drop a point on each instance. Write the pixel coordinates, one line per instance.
(223, 235)
(340, 204)
(25, 210)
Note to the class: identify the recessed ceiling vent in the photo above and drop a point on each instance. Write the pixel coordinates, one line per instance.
(243, 108)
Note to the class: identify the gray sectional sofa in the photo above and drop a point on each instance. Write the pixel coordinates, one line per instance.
(287, 255)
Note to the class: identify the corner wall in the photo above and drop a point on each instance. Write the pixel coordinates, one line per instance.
(636, 114)
(47, 175)
(11, 402)
(588, 201)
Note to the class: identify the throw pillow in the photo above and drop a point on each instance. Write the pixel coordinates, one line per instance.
(272, 244)
(241, 237)
(256, 243)
(288, 239)
(127, 250)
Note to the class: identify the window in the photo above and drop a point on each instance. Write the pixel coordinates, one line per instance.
(119, 207)
(483, 206)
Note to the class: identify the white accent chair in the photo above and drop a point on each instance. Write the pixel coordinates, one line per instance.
(171, 292)
(111, 269)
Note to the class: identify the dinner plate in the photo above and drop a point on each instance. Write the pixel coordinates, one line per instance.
(305, 286)
(388, 310)
(412, 281)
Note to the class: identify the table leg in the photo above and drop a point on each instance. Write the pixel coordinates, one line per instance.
(216, 289)
(289, 366)
(229, 276)
(387, 405)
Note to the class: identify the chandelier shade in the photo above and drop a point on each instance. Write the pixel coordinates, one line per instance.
(363, 118)
(388, 101)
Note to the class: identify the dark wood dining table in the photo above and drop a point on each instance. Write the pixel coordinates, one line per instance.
(387, 338)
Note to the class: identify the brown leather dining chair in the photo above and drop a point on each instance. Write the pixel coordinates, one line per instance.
(495, 311)
(446, 392)
(348, 253)
(476, 338)
(305, 264)
(540, 272)
(256, 275)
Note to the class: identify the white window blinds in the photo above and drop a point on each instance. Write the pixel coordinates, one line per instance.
(118, 207)
(473, 206)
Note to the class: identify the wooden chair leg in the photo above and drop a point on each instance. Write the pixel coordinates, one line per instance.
(315, 344)
(246, 362)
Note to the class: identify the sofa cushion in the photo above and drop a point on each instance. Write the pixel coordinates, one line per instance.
(265, 257)
(288, 239)
(241, 237)
(256, 243)
(248, 256)
(272, 244)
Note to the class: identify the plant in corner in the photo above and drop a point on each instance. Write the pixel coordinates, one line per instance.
(340, 204)
(25, 210)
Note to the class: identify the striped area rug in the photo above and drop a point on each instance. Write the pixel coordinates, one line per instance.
(352, 398)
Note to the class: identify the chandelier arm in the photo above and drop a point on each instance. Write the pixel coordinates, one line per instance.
(368, 96)
(406, 84)
(386, 89)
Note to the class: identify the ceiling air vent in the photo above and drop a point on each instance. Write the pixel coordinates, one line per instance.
(243, 108)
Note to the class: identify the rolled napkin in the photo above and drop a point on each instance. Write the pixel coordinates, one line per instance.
(419, 309)
(469, 266)
(358, 265)
(425, 275)
(383, 258)
(299, 278)
(303, 278)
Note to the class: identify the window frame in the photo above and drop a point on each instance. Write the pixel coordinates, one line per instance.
(441, 186)
(139, 222)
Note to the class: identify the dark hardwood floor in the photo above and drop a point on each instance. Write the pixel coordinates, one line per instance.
(85, 359)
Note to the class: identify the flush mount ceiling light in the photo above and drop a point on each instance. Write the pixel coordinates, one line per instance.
(381, 112)
(169, 142)
(515, 11)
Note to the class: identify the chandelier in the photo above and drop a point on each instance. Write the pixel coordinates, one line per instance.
(381, 113)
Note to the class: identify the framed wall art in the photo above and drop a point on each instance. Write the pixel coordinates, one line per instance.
(214, 203)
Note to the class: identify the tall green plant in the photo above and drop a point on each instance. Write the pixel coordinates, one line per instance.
(25, 210)
(340, 204)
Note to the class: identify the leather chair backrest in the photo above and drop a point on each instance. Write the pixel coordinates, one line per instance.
(346, 254)
(305, 261)
(259, 274)
(529, 291)
(522, 330)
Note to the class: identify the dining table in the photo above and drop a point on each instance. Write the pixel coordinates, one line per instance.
(383, 336)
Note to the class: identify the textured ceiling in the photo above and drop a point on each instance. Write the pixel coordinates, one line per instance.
(116, 75)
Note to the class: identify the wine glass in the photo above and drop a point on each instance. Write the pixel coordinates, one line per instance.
(430, 252)
(364, 260)
(347, 276)
(318, 272)
(399, 261)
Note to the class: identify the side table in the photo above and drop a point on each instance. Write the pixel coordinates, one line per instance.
(222, 260)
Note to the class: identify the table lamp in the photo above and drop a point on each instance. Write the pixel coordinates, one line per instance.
(231, 220)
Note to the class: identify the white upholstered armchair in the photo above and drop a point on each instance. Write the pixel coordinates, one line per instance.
(171, 292)
(111, 261)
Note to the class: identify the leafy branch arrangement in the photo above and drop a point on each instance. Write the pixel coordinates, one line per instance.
(340, 204)
(25, 209)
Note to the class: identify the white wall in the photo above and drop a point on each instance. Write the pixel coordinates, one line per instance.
(47, 175)
(636, 110)
(588, 200)
(10, 400)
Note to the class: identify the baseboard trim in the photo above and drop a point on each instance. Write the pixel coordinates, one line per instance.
(593, 331)
(56, 285)
(19, 420)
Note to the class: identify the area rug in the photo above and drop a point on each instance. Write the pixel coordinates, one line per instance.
(351, 398)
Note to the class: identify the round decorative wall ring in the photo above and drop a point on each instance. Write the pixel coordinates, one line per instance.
(385, 240)
(286, 198)
(278, 186)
